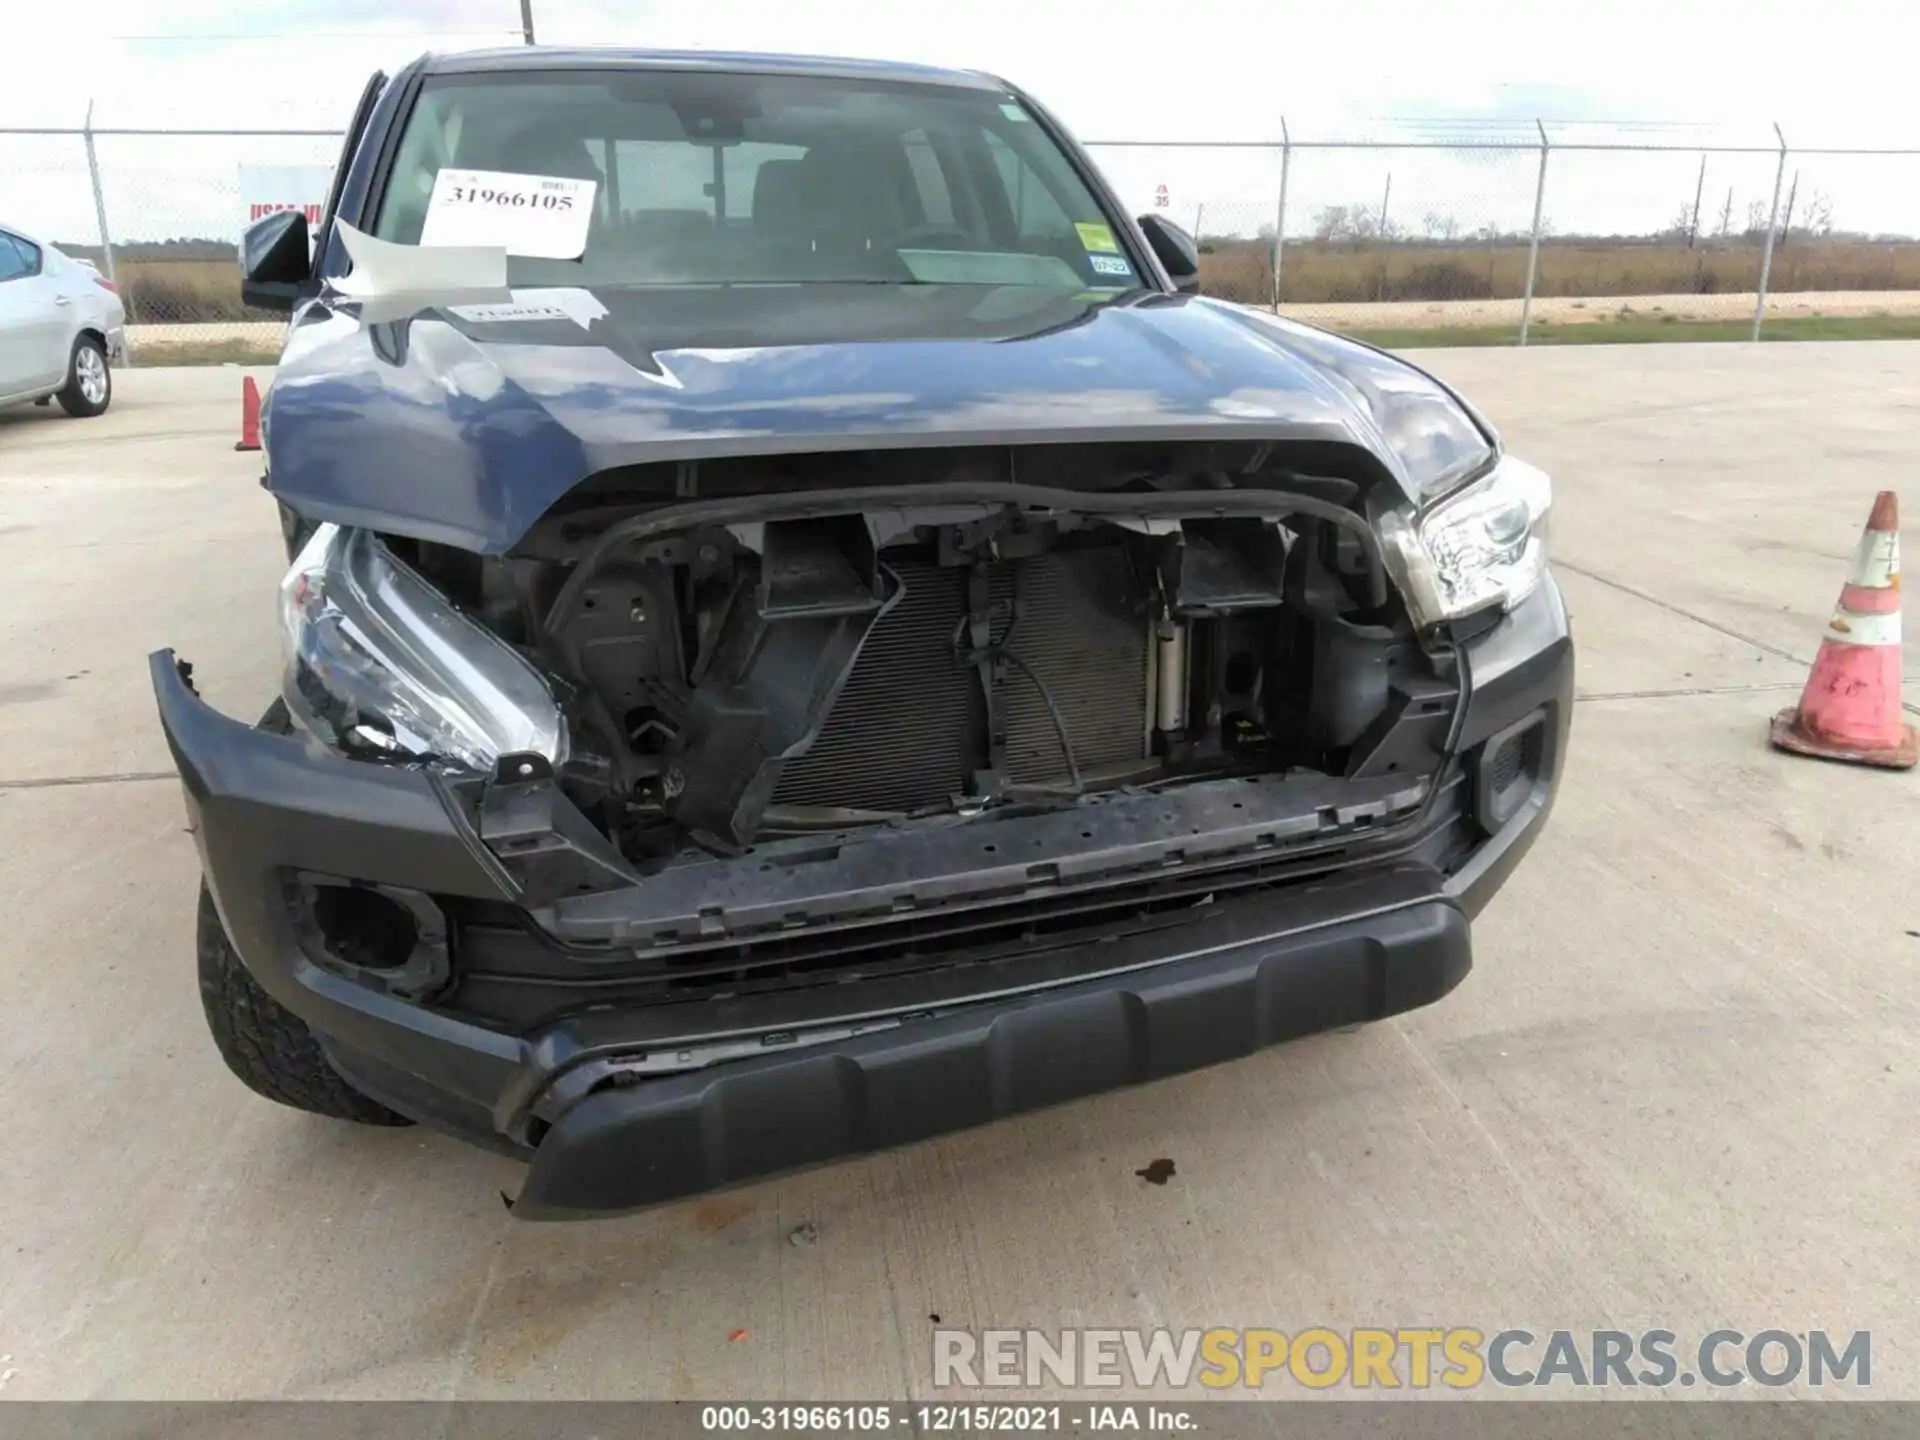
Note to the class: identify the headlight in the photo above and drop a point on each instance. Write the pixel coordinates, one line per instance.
(379, 663)
(1485, 545)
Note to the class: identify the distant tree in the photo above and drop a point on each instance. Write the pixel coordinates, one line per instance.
(1350, 223)
(1354, 223)
(1816, 216)
(1681, 226)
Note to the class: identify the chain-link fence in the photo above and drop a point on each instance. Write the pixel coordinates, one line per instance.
(1505, 233)
(160, 214)
(1475, 233)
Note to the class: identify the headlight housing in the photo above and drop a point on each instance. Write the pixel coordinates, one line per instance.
(1484, 545)
(379, 663)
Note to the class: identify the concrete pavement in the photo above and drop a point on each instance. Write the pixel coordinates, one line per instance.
(1677, 1091)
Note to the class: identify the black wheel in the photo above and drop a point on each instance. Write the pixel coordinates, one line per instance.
(266, 1045)
(263, 1042)
(89, 387)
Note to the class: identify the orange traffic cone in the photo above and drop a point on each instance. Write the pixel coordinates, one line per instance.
(249, 416)
(1850, 709)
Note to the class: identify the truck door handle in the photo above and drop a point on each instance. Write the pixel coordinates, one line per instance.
(61, 300)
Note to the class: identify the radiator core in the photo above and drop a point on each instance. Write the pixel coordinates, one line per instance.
(910, 725)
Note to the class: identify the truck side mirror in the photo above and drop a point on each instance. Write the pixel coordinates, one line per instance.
(1175, 249)
(276, 264)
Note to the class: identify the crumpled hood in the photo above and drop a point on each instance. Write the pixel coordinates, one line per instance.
(465, 423)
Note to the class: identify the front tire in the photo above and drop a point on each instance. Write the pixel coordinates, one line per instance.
(265, 1044)
(89, 388)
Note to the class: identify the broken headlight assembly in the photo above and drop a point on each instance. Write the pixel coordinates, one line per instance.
(378, 663)
(1483, 545)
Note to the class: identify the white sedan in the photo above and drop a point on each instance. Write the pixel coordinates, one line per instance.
(62, 327)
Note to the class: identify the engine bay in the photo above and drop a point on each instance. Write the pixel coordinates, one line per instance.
(743, 670)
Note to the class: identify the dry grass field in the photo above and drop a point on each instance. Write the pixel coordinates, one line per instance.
(1326, 272)
(160, 291)
(1397, 294)
(1317, 272)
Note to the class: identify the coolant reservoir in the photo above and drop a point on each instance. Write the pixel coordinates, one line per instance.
(1170, 685)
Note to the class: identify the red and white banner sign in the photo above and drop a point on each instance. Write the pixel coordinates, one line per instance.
(267, 188)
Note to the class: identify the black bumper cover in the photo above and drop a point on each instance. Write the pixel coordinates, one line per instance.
(1356, 946)
(666, 1138)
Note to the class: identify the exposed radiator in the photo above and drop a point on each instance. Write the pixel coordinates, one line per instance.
(1078, 631)
(901, 733)
(909, 727)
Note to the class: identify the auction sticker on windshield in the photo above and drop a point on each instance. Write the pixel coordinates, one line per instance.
(1096, 237)
(537, 215)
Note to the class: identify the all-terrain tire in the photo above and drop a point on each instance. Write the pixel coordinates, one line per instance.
(87, 371)
(266, 1045)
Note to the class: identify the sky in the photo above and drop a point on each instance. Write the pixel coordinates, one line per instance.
(1838, 74)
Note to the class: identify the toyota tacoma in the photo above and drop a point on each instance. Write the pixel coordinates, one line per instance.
(806, 631)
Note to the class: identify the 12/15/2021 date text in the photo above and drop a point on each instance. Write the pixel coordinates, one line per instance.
(943, 1418)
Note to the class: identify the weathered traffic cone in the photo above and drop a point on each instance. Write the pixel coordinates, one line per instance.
(249, 416)
(1850, 709)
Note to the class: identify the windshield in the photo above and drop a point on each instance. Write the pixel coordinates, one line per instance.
(696, 179)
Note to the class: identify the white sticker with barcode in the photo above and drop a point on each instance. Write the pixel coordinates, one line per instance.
(582, 307)
(539, 215)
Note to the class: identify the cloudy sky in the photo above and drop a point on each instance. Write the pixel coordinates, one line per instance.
(1835, 74)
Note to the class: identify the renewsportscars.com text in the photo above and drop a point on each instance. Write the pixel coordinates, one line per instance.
(1417, 1358)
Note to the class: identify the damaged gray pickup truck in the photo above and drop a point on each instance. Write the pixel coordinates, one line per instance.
(827, 638)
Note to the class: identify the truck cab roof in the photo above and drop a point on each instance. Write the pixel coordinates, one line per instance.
(538, 57)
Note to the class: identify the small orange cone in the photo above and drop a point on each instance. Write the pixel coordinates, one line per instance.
(1850, 709)
(249, 416)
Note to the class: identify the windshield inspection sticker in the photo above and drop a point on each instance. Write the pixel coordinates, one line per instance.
(538, 215)
(1096, 237)
(1109, 265)
(1013, 111)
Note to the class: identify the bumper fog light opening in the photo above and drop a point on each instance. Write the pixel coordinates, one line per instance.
(381, 935)
(1505, 768)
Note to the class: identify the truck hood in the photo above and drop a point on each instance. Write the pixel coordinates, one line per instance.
(464, 423)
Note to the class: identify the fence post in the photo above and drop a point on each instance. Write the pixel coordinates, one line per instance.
(1773, 217)
(1280, 214)
(100, 212)
(99, 197)
(526, 21)
(1699, 189)
(1199, 212)
(1533, 248)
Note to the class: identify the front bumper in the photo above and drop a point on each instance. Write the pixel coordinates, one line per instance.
(802, 1078)
(1337, 955)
